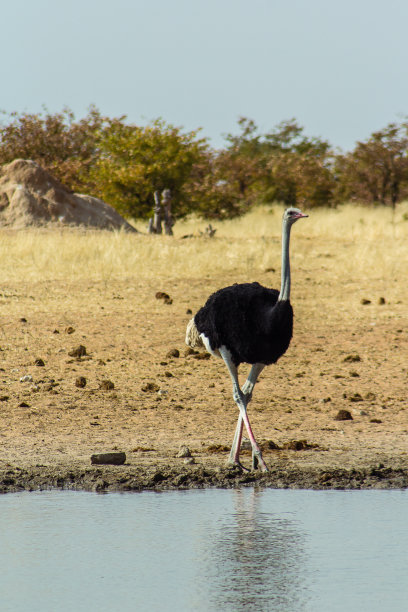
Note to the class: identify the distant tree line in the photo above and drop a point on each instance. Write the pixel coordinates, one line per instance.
(125, 164)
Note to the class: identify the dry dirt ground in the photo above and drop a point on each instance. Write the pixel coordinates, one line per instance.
(345, 355)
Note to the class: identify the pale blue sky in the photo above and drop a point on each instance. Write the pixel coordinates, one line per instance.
(339, 68)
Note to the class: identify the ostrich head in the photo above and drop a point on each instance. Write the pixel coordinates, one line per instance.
(293, 214)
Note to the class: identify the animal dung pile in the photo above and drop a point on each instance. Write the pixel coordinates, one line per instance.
(31, 197)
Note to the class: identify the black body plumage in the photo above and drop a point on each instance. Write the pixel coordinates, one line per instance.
(249, 321)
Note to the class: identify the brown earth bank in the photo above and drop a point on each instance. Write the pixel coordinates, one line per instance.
(134, 387)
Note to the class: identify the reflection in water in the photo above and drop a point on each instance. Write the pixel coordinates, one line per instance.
(256, 559)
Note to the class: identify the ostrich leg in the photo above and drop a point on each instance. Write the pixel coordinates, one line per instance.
(247, 390)
(241, 402)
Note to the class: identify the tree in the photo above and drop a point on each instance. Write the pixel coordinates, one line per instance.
(377, 170)
(63, 146)
(134, 162)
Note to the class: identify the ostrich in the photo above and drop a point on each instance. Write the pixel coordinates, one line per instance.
(248, 323)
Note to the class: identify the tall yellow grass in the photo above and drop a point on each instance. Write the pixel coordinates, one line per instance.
(351, 239)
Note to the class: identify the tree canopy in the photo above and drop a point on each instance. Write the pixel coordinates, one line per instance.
(124, 164)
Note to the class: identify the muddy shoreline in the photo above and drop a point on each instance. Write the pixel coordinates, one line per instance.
(166, 477)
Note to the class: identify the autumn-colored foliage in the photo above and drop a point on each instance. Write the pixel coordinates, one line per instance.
(124, 164)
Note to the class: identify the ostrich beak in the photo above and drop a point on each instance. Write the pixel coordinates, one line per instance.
(301, 215)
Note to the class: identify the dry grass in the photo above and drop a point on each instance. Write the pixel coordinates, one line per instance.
(351, 241)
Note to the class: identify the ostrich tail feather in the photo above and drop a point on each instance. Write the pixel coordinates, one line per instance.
(193, 338)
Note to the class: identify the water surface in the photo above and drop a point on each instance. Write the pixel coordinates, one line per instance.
(208, 550)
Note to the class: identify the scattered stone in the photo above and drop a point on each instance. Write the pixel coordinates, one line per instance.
(189, 351)
(375, 421)
(80, 382)
(189, 311)
(101, 362)
(343, 415)
(370, 396)
(69, 330)
(352, 358)
(202, 356)
(4, 398)
(150, 387)
(23, 320)
(173, 353)
(298, 445)
(161, 295)
(365, 301)
(108, 459)
(106, 385)
(189, 460)
(184, 451)
(354, 374)
(39, 362)
(269, 445)
(26, 378)
(355, 397)
(79, 351)
(168, 375)
(326, 400)
(23, 405)
(381, 301)
(56, 331)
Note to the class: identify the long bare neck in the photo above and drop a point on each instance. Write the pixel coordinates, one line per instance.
(285, 282)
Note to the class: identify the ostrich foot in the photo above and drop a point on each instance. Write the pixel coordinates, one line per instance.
(258, 462)
(235, 463)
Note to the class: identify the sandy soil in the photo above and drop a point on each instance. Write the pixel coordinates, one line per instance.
(344, 356)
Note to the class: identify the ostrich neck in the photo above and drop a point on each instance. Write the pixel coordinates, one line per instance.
(285, 283)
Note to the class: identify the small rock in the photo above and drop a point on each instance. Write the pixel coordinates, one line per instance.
(79, 351)
(298, 445)
(270, 444)
(189, 460)
(106, 385)
(370, 396)
(23, 405)
(189, 311)
(150, 387)
(189, 351)
(202, 356)
(364, 301)
(23, 320)
(375, 421)
(354, 374)
(39, 362)
(343, 415)
(184, 451)
(168, 375)
(355, 397)
(161, 295)
(69, 330)
(381, 301)
(173, 353)
(108, 459)
(352, 358)
(26, 378)
(80, 381)
(4, 398)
